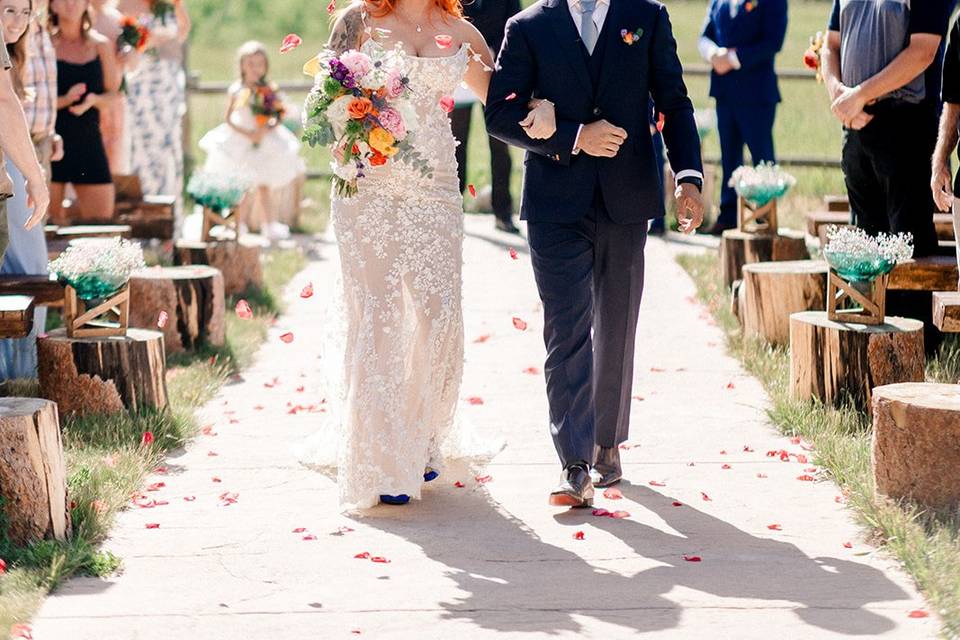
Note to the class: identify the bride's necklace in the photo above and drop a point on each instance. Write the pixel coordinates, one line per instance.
(413, 22)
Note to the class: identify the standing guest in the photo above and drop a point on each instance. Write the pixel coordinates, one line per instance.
(490, 18)
(27, 253)
(106, 21)
(943, 192)
(40, 85)
(740, 41)
(15, 142)
(874, 66)
(86, 79)
(156, 101)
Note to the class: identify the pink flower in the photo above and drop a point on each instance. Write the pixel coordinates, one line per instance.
(359, 64)
(395, 84)
(392, 121)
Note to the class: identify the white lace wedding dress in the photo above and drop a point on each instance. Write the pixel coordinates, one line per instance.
(401, 251)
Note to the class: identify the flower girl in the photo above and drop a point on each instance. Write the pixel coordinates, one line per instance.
(253, 144)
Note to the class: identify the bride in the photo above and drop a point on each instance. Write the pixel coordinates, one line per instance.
(401, 246)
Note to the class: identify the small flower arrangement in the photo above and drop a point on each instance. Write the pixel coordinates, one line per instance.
(760, 184)
(163, 10)
(860, 257)
(216, 191)
(265, 102)
(97, 269)
(133, 34)
(811, 57)
(706, 122)
(359, 107)
(631, 37)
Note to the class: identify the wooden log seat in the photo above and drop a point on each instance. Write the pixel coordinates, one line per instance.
(738, 248)
(103, 375)
(836, 203)
(946, 311)
(237, 260)
(932, 273)
(16, 316)
(42, 289)
(771, 291)
(818, 221)
(191, 299)
(833, 362)
(916, 443)
(33, 475)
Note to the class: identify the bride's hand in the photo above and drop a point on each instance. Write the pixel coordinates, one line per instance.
(541, 122)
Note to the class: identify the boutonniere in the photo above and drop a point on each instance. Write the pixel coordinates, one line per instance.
(750, 5)
(631, 37)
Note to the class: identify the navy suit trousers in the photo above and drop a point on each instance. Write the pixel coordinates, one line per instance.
(739, 124)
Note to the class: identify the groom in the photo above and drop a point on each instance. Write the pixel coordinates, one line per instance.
(589, 191)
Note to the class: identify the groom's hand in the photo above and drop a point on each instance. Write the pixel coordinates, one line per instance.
(689, 207)
(601, 139)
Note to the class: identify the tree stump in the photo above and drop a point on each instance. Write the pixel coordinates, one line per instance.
(946, 311)
(16, 316)
(238, 261)
(103, 375)
(192, 299)
(33, 475)
(738, 248)
(771, 291)
(916, 442)
(833, 362)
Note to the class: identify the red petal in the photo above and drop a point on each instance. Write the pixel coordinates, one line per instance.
(208, 431)
(613, 494)
(619, 515)
(802, 459)
(848, 545)
(162, 320)
(365, 555)
(475, 400)
(600, 513)
(726, 466)
(484, 479)
(189, 498)
(513, 254)
(774, 527)
(161, 470)
(379, 559)
(657, 483)
(459, 485)
(300, 389)
(579, 535)
(730, 385)
(153, 525)
(661, 120)
(309, 537)
(290, 42)
(3, 566)
(918, 613)
(482, 339)
(470, 188)
(286, 337)
(533, 371)
(300, 530)
(677, 504)
(156, 486)
(447, 103)
(705, 497)
(307, 291)
(806, 478)
(519, 324)
(657, 370)
(146, 439)
(332, 7)
(244, 312)
(511, 96)
(723, 452)
(747, 448)
(693, 558)
(443, 41)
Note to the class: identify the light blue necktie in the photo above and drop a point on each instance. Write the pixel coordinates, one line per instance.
(588, 30)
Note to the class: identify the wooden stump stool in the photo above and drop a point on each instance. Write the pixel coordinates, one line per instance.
(946, 311)
(738, 248)
(238, 261)
(832, 361)
(192, 299)
(916, 442)
(33, 475)
(16, 316)
(103, 375)
(771, 291)
(753, 219)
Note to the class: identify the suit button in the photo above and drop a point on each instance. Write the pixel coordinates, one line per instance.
(596, 111)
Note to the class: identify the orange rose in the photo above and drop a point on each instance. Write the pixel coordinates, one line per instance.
(359, 108)
(378, 159)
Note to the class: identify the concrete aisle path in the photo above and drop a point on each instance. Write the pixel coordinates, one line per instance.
(491, 559)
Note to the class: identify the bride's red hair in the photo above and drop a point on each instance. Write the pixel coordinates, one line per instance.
(386, 7)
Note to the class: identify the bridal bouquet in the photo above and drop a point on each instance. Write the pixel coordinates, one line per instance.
(760, 184)
(132, 34)
(98, 269)
(359, 107)
(860, 257)
(811, 57)
(163, 9)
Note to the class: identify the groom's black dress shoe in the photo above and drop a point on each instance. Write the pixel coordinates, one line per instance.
(506, 224)
(575, 488)
(606, 470)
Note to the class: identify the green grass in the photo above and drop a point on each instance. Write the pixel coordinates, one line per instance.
(926, 543)
(106, 462)
(804, 125)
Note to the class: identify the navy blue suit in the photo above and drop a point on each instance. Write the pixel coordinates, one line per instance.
(746, 97)
(587, 215)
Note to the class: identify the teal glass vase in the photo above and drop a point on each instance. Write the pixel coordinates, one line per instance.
(858, 268)
(95, 285)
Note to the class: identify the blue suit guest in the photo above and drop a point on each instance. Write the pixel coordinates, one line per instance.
(740, 40)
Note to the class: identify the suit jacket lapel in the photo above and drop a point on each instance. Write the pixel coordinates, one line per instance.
(614, 41)
(569, 40)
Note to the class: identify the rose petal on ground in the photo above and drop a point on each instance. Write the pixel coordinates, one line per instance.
(620, 515)
(162, 319)
(484, 479)
(286, 337)
(533, 371)
(795, 440)
(600, 513)
(638, 398)
(21, 631)
(723, 452)
(613, 494)
(459, 485)
(447, 104)
(918, 613)
(693, 558)
(3, 566)
(153, 525)
(806, 478)
(761, 475)
(475, 400)
(146, 439)
(657, 483)
(332, 7)
(513, 254)
(730, 385)
(208, 430)
(156, 486)
(161, 470)
(309, 537)
(342, 530)
(802, 459)
(212, 454)
(848, 545)
(775, 527)
(443, 41)
(189, 498)
(705, 497)
(726, 466)
(657, 370)
(244, 312)
(747, 448)
(364, 555)
(472, 190)
(519, 324)
(379, 560)
(300, 530)
(481, 339)
(216, 479)
(811, 469)
(307, 291)
(579, 535)
(677, 504)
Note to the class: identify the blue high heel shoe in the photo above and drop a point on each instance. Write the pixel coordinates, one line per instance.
(395, 500)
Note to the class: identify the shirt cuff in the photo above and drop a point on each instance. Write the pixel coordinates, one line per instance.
(576, 141)
(734, 59)
(706, 47)
(687, 173)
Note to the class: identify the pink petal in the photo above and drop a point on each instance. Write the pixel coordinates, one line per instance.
(443, 41)
(726, 466)
(519, 324)
(459, 485)
(918, 613)
(619, 515)
(705, 497)
(307, 291)
(290, 42)
(365, 555)
(189, 498)
(332, 7)
(600, 513)
(533, 371)
(447, 104)
(657, 483)
(482, 339)
(286, 337)
(806, 478)
(774, 527)
(513, 254)
(848, 545)
(613, 494)
(309, 537)
(300, 530)
(511, 96)
(162, 320)
(484, 479)
(475, 400)
(153, 525)
(379, 560)
(244, 312)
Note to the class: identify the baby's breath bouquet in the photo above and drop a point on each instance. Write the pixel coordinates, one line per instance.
(860, 257)
(760, 184)
(98, 268)
(217, 191)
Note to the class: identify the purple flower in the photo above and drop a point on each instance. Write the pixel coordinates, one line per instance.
(340, 73)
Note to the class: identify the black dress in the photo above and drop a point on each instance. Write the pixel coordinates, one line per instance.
(84, 157)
